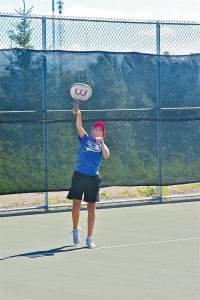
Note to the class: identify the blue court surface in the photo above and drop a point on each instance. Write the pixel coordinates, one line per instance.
(143, 252)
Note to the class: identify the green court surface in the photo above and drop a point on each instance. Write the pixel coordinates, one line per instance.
(143, 252)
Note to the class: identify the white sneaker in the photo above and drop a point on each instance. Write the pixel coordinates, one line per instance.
(76, 237)
(90, 243)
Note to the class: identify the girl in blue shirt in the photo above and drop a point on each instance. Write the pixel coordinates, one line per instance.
(86, 179)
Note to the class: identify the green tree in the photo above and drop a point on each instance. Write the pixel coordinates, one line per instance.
(22, 36)
(166, 52)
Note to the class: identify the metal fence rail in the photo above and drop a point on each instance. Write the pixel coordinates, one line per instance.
(83, 34)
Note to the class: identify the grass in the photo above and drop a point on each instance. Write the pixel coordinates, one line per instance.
(146, 191)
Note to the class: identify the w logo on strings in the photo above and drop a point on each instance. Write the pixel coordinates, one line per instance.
(80, 91)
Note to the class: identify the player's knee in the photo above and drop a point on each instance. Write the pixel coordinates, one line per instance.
(76, 203)
(91, 206)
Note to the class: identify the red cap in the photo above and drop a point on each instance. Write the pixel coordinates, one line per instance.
(101, 125)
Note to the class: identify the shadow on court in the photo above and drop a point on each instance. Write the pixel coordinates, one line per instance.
(49, 252)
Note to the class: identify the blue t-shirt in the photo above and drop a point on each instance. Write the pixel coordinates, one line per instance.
(89, 156)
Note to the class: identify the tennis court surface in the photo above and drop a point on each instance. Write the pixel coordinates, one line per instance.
(143, 252)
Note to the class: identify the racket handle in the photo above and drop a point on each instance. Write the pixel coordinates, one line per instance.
(76, 105)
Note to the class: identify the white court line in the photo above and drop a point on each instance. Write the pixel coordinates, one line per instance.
(149, 243)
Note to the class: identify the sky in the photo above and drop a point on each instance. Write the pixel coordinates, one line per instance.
(171, 10)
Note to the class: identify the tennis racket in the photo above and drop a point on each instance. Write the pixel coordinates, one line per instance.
(80, 92)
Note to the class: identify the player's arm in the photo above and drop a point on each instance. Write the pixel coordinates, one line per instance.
(79, 126)
(105, 150)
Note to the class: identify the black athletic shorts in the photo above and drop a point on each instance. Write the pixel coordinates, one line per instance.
(84, 185)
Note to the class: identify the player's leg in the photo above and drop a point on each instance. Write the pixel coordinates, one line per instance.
(75, 221)
(91, 208)
(76, 213)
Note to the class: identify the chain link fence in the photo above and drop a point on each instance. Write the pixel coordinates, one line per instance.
(76, 34)
(79, 34)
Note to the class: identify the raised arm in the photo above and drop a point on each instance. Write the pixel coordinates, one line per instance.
(79, 126)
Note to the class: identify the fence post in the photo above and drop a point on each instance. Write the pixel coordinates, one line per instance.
(158, 108)
(44, 110)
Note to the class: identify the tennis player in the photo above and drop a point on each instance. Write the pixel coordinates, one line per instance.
(86, 179)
